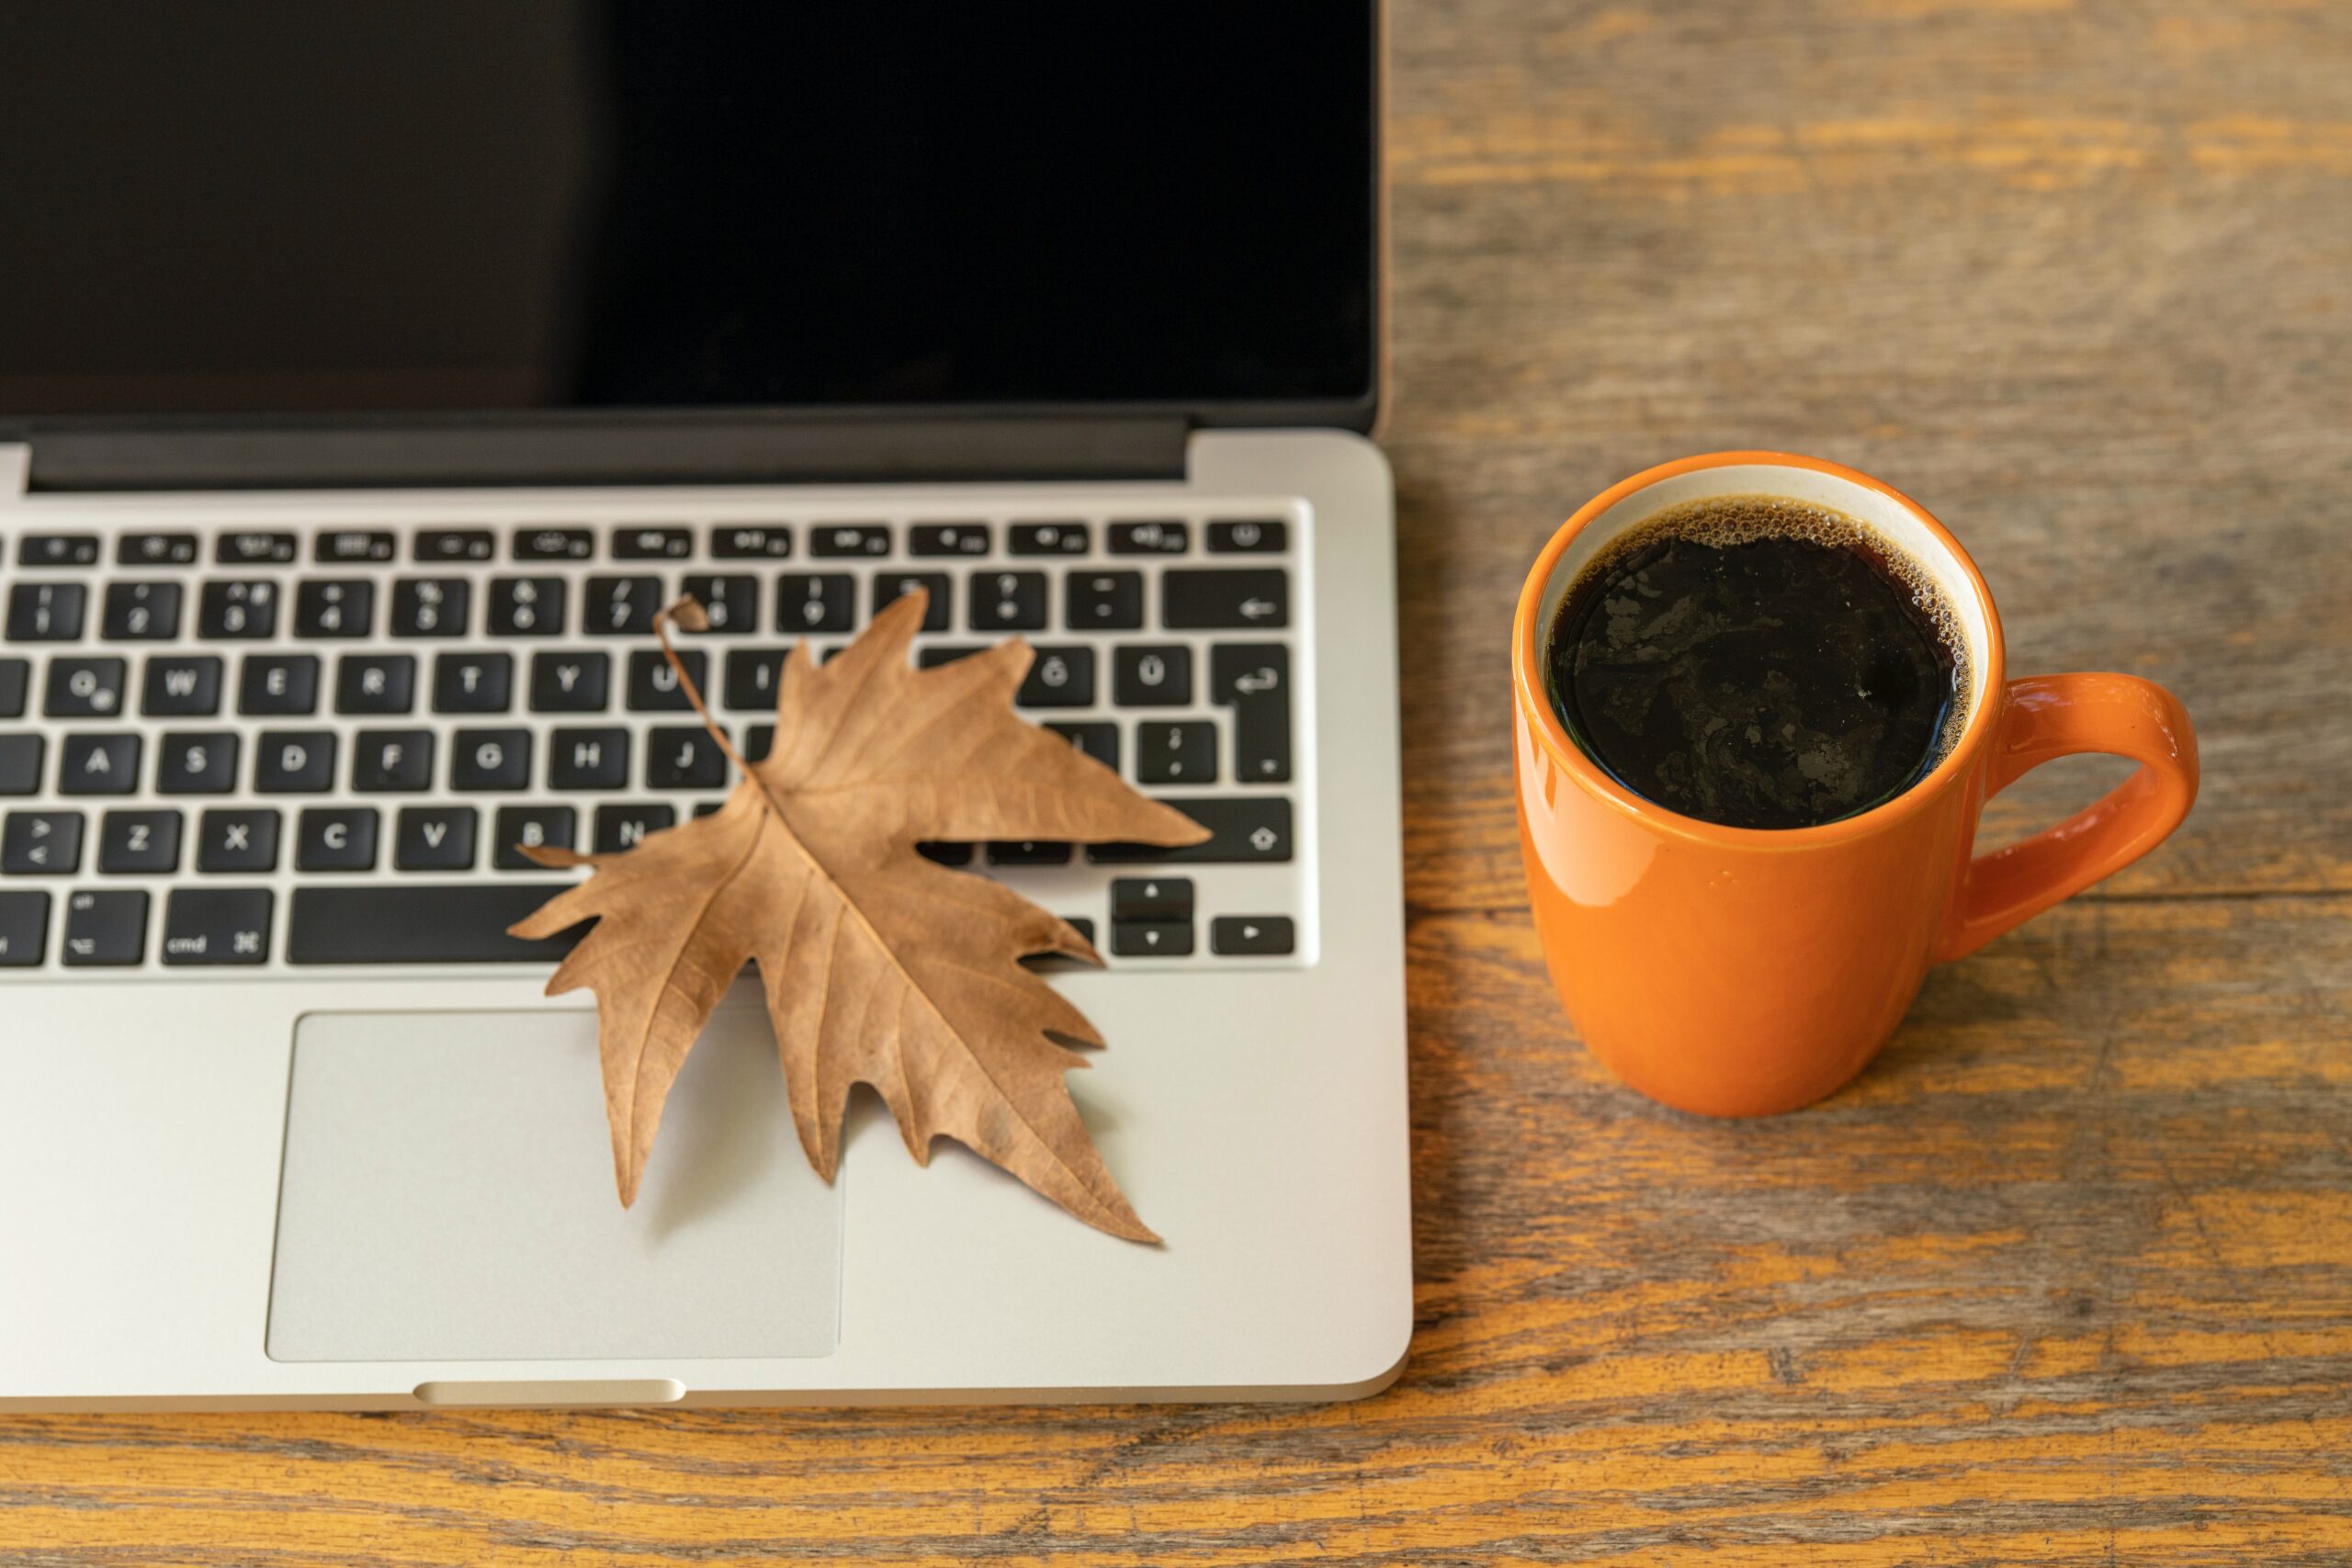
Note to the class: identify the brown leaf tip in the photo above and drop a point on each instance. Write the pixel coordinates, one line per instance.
(686, 613)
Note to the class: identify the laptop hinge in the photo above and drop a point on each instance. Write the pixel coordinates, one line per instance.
(821, 448)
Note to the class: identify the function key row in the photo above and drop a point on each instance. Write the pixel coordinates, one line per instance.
(727, 541)
(249, 609)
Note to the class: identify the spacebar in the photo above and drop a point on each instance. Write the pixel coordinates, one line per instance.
(457, 922)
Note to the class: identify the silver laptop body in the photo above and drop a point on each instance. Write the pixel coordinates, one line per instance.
(287, 1122)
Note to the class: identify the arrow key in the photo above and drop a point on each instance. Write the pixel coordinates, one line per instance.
(1151, 898)
(1252, 936)
(1152, 939)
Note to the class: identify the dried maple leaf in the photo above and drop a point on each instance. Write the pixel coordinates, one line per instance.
(880, 966)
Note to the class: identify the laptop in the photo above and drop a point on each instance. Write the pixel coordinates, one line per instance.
(370, 375)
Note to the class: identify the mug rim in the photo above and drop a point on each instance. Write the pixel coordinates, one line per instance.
(1536, 704)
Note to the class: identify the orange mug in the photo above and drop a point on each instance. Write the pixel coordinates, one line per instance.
(1738, 972)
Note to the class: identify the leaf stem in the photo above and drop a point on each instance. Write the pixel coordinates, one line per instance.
(685, 610)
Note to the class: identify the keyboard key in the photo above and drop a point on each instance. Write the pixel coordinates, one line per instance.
(462, 922)
(293, 761)
(430, 606)
(653, 685)
(140, 612)
(683, 757)
(1028, 851)
(527, 606)
(279, 684)
(154, 550)
(734, 541)
(891, 587)
(236, 842)
(473, 682)
(540, 827)
(652, 543)
(336, 837)
(1008, 601)
(937, 654)
(1050, 538)
(1217, 600)
(138, 844)
(344, 547)
(453, 544)
(1103, 601)
(1150, 538)
(850, 539)
(729, 599)
(375, 682)
(434, 838)
(490, 758)
(555, 544)
(1152, 939)
(752, 677)
(570, 683)
(330, 607)
(1243, 829)
(1059, 678)
(622, 606)
(947, 540)
(815, 602)
(16, 675)
(757, 740)
(1098, 739)
(1252, 936)
(46, 612)
(85, 688)
(217, 925)
(385, 760)
(1152, 675)
(243, 609)
(622, 827)
(195, 762)
(99, 764)
(20, 760)
(23, 928)
(58, 550)
(1250, 536)
(1253, 680)
(946, 854)
(587, 759)
(253, 549)
(105, 930)
(182, 686)
(1178, 751)
(41, 844)
(1151, 898)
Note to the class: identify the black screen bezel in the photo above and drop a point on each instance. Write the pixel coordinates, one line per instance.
(1359, 412)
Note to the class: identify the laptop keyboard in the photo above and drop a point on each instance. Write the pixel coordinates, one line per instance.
(293, 749)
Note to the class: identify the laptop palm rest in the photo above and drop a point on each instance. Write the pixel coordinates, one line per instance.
(447, 1195)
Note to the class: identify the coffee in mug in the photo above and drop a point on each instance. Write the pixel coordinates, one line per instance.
(1759, 661)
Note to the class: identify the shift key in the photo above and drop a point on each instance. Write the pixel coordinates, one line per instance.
(1242, 829)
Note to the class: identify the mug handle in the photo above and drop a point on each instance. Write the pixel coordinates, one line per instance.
(2047, 716)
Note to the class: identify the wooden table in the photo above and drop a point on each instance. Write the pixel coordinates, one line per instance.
(2067, 1276)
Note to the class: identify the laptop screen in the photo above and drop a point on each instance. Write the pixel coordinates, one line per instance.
(256, 207)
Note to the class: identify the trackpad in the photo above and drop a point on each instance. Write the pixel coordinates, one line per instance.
(447, 1195)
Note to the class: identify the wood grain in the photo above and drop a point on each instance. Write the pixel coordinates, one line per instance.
(2067, 1276)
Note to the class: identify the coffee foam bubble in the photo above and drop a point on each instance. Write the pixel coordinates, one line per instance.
(1722, 521)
